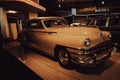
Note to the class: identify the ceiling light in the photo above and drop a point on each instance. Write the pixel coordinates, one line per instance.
(59, 5)
(12, 11)
(103, 2)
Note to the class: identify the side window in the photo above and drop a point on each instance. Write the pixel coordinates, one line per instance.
(49, 23)
(35, 24)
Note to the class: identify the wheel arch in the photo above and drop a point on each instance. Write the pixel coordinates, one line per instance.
(57, 49)
(66, 63)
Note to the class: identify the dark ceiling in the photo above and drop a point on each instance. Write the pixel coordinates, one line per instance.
(63, 7)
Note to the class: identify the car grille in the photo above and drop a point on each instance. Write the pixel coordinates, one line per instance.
(99, 50)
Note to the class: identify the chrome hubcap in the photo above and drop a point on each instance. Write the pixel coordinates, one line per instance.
(63, 57)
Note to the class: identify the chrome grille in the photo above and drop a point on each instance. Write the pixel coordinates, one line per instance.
(99, 49)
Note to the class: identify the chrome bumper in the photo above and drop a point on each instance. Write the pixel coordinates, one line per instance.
(92, 56)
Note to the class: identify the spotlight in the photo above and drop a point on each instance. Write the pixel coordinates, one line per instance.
(103, 2)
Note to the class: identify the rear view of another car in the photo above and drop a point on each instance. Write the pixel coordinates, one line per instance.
(113, 26)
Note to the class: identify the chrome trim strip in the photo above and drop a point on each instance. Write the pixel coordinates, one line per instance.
(49, 32)
(70, 47)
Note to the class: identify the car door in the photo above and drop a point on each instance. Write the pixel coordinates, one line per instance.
(37, 36)
(31, 28)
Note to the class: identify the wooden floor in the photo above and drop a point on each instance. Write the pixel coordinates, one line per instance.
(48, 69)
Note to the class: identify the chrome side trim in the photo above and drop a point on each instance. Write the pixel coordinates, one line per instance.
(33, 30)
(69, 47)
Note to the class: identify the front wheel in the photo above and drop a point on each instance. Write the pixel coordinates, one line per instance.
(64, 58)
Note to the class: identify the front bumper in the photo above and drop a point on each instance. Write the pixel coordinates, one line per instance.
(93, 56)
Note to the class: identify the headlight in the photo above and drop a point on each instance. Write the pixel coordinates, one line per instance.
(87, 42)
(109, 36)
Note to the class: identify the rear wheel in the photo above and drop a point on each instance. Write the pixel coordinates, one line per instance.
(63, 58)
(22, 38)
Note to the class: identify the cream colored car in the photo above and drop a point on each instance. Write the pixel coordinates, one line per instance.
(84, 46)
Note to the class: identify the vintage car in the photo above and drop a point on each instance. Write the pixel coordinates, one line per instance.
(84, 46)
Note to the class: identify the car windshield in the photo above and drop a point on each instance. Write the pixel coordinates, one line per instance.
(91, 23)
(99, 22)
(55, 23)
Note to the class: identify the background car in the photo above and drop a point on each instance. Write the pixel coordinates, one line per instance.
(77, 24)
(110, 24)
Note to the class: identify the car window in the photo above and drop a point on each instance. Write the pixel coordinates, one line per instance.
(35, 24)
(50, 23)
(54, 23)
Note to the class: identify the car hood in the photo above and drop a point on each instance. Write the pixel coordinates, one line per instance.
(75, 36)
(75, 30)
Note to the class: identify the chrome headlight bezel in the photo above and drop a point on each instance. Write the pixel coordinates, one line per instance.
(109, 35)
(87, 42)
